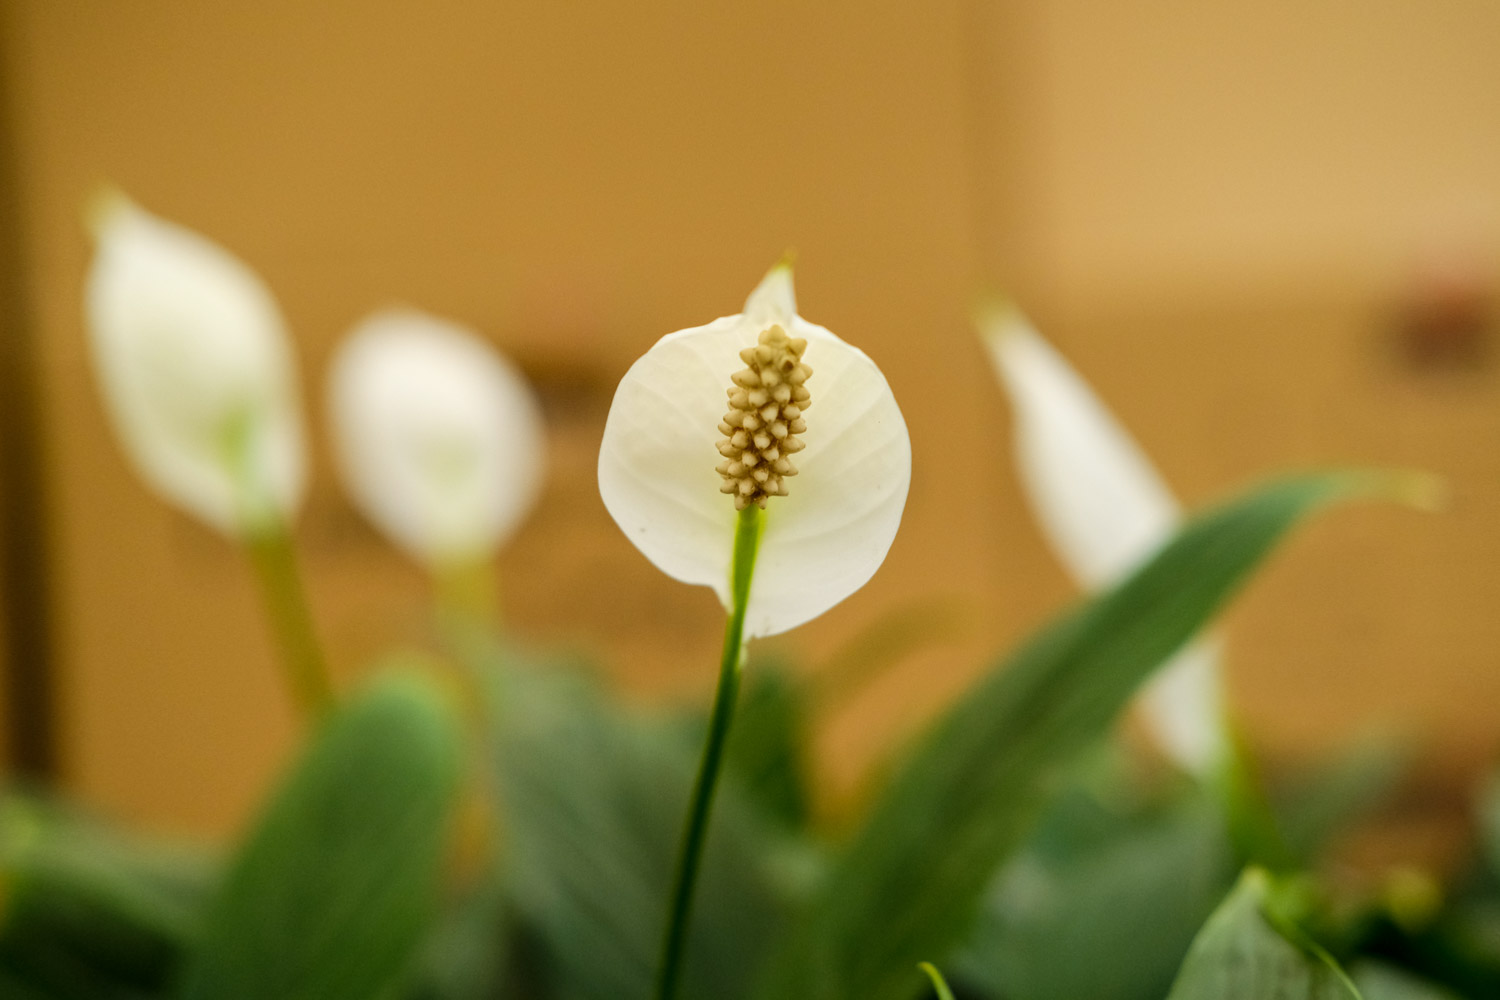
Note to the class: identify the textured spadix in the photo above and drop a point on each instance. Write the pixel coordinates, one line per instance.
(1105, 510)
(196, 370)
(660, 459)
(438, 437)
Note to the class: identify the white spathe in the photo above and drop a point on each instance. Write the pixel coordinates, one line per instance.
(1105, 510)
(823, 540)
(196, 370)
(438, 438)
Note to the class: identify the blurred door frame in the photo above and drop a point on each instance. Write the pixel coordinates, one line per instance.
(27, 705)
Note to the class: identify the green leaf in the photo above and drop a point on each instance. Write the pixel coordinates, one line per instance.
(908, 887)
(335, 888)
(1345, 790)
(1488, 815)
(90, 912)
(467, 955)
(1106, 914)
(592, 796)
(1381, 981)
(768, 745)
(1239, 956)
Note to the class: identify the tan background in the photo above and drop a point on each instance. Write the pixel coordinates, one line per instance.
(1214, 211)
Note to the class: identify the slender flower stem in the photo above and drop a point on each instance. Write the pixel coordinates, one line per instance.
(467, 592)
(746, 544)
(1252, 822)
(275, 562)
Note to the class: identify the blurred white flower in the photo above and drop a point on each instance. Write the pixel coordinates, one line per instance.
(1105, 511)
(196, 370)
(438, 437)
(678, 457)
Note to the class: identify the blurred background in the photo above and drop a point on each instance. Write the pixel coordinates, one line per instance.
(1269, 234)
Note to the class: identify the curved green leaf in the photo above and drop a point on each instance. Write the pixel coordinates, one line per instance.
(333, 891)
(1380, 981)
(939, 984)
(591, 798)
(90, 912)
(908, 887)
(1239, 956)
(1128, 897)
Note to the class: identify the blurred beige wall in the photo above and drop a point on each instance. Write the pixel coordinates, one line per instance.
(1208, 208)
(1281, 147)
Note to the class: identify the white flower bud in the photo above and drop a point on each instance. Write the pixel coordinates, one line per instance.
(196, 370)
(1105, 510)
(438, 437)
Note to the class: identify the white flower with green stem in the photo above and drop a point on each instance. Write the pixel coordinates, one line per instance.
(439, 441)
(199, 379)
(764, 457)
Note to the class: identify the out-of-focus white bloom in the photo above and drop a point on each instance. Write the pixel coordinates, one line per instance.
(1105, 511)
(196, 370)
(438, 437)
(673, 462)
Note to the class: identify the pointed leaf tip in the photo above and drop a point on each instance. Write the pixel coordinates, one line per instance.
(939, 984)
(1413, 488)
(1243, 952)
(1424, 491)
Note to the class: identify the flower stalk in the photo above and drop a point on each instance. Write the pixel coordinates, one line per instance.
(274, 559)
(1249, 818)
(747, 535)
(468, 592)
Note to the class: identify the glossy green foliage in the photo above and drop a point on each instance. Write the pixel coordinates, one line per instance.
(590, 797)
(1239, 955)
(909, 886)
(335, 889)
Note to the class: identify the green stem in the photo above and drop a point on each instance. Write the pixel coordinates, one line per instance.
(466, 593)
(275, 563)
(1253, 828)
(746, 544)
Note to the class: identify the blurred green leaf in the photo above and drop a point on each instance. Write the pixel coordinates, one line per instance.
(592, 796)
(768, 745)
(335, 888)
(1346, 789)
(467, 955)
(1487, 809)
(1460, 950)
(1380, 981)
(909, 886)
(91, 912)
(15, 988)
(1239, 956)
(1101, 907)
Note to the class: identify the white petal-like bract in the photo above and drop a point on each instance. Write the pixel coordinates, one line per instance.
(438, 437)
(196, 370)
(1105, 510)
(829, 534)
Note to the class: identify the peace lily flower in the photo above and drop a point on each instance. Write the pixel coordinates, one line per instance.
(438, 437)
(711, 419)
(199, 378)
(718, 466)
(196, 370)
(1105, 510)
